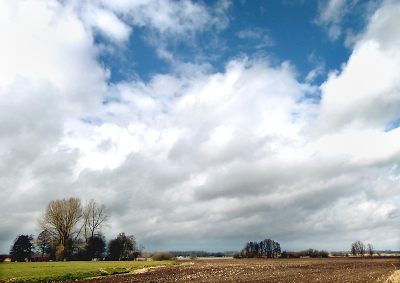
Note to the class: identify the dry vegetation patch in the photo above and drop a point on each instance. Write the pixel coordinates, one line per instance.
(394, 278)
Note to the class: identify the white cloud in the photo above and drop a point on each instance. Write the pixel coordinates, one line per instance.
(168, 17)
(366, 92)
(331, 14)
(166, 22)
(49, 75)
(364, 147)
(107, 23)
(319, 67)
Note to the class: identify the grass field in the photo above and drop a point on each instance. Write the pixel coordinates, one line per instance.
(59, 271)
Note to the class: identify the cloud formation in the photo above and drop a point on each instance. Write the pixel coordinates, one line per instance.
(331, 13)
(194, 158)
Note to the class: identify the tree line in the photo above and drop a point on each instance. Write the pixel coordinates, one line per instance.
(313, 253)
(267, 248)
(71, 231)
(271, 249)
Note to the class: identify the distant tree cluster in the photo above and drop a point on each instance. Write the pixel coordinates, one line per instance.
(314, 253)
(267, 248)
(71, 231)
(358, 248)
(305, 253)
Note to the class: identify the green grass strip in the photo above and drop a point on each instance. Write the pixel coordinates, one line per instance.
(21, 272)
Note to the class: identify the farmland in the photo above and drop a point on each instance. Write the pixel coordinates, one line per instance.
(215, 270)
(261, 270)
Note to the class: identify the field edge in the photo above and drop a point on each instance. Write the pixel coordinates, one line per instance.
(95, 273)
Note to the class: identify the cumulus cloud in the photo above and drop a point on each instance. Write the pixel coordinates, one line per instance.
(366, 92)
(196, 158)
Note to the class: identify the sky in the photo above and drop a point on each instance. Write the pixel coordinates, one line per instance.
(203, 125)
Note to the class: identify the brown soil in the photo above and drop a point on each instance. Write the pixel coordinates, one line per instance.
(267, 270)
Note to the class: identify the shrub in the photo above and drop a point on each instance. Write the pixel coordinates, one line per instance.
(295, 254)
(239, 254)
(193, 256)
(162, 256)
(314, 253)
(310, 253)
(323, 254)
(286, 254)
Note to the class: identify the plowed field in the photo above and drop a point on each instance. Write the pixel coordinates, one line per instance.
(266, 270)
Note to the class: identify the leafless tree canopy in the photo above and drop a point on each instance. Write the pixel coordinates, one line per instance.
(358, 248)
(65, 221)
(43, 241)
(370, 249)
(61, 219)
(96, 216)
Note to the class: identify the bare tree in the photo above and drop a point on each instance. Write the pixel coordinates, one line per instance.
(95, 216)
(354, 249)
(43, 241)
(370, 249)
(358, 248)
(361, 248)
(61, 219)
